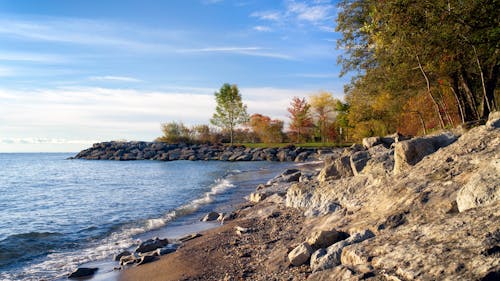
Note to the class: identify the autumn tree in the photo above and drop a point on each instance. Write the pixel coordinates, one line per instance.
(266, 129)
(323, 107)
(445, 50)
(175, 132)
(301, 122)
(230, 110)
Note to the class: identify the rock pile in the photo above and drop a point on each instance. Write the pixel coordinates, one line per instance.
(138, 150)
(425, 208)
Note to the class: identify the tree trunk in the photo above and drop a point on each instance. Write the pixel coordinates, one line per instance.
(436, 105)
(459, 104)
(231, 132)
(471, 101)
(488, 108)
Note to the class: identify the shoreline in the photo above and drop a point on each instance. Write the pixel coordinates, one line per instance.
(194, 257)
(422, 209)
(188, 224)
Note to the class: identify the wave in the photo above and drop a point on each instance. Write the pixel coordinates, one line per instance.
(59, 264)
(24, 246)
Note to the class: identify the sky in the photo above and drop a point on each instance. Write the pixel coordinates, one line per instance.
(73, 73)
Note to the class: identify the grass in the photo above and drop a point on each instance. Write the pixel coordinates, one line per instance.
(307, 144)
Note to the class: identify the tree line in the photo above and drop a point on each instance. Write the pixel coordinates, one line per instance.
(419, 64)
(416, 65)
(312, 120)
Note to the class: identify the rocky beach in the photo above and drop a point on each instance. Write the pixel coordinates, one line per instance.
(425, 208)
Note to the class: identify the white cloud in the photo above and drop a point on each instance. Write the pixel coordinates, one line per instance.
(312, 13)
(262, 28)
(115, 78)
(81, 116)
(35, 140)
(267, 15)
(31, 57)
(318, 13)
(249, 51)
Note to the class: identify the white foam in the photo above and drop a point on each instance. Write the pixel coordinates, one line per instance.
(59, 265)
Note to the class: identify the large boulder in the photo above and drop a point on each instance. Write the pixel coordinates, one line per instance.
(410, 152)
(483, 188)
(300, 254)
(323, 238)
(330, 257)
(151, 245)
(340, 168)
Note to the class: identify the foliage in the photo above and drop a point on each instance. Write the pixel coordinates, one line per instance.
(230, 110)
(301, 122)
(174, 132)
(266, 129)
(405, 52)
(323, 106)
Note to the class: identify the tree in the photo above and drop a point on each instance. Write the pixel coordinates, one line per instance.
(301, 123)
(230, 110)
(412, 48)
(267, 130)
(323, 106)
(174, 132)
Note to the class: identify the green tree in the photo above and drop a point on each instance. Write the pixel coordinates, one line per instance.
(230, 110)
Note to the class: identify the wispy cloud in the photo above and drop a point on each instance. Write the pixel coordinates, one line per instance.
(318, 13)
(35, 140)
(262, 28)
(310, 12)
(116, 78)
(31, 57)
(267, 15)
(249, 51)
(78, 31)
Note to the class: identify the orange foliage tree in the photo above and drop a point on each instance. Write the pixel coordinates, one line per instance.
(301, 122)
(267, 130)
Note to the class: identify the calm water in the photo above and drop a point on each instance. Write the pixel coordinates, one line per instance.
(57, 214)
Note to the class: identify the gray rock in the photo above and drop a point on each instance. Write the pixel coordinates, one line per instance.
(483, 188)
(358, 161)
(301, 157)
(83, 272)
(300, 254)
(341, 167)
(212, 216)
(147, 259)
(371, 141)
(330, 257)
(256, 197)
(151, 245)
(323, 238)
(120, 255)
(410, 152)
(493, 120)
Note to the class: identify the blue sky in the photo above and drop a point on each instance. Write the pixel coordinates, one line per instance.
(77, 72)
